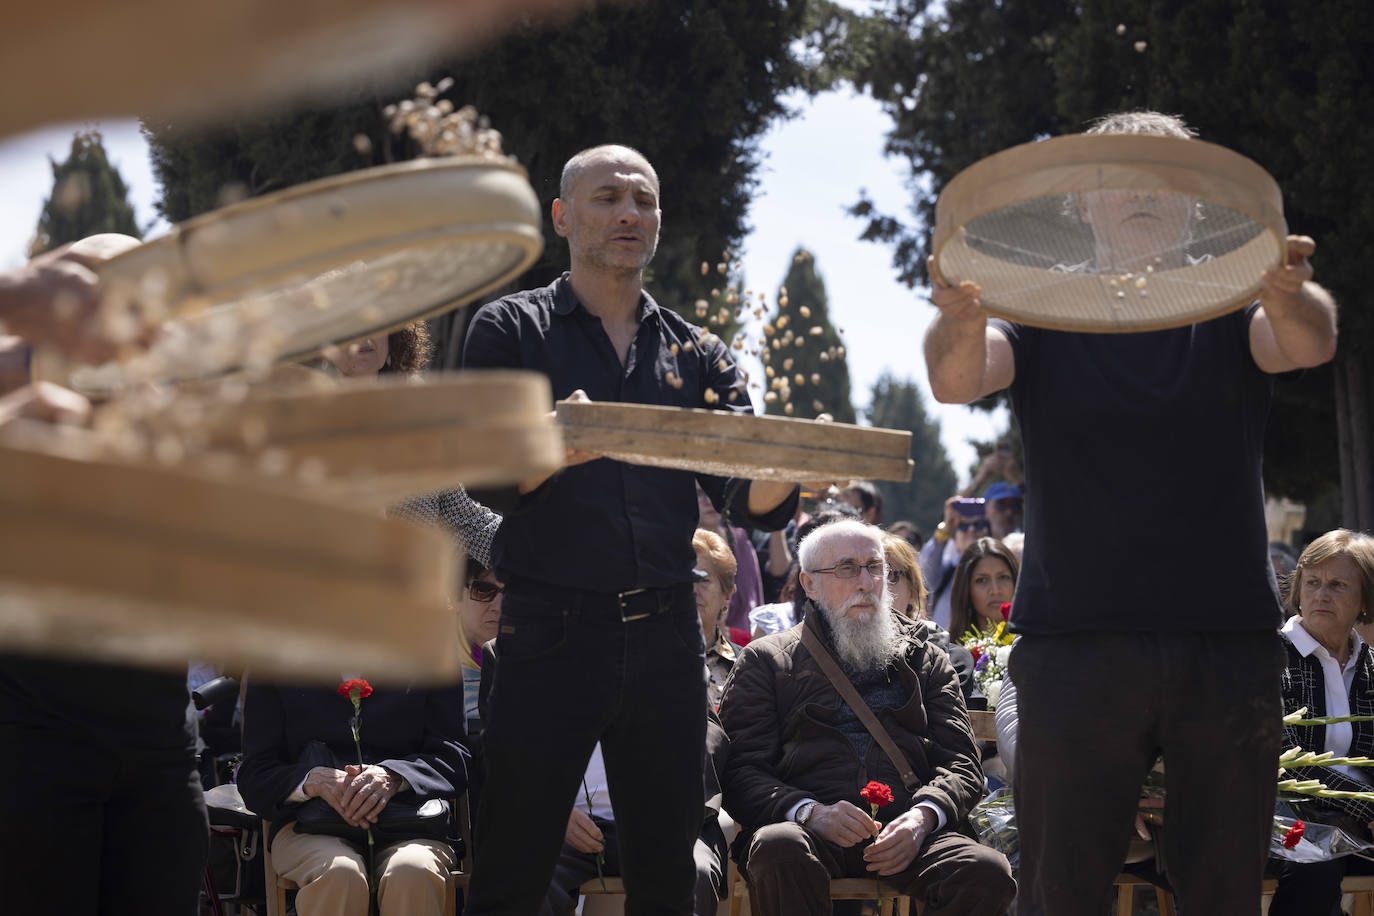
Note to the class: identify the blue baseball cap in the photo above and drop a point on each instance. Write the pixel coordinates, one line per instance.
(1002, 490)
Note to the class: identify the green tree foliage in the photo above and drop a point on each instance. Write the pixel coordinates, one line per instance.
(88, 197)
(898, 404)
(958, 86)
(817, 372)
(692, 84)
(1273, 82)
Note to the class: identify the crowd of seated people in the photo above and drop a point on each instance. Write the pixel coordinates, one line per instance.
(782, 756)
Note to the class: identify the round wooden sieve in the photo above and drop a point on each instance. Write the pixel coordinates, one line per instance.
(279, 277)
(1111, 232)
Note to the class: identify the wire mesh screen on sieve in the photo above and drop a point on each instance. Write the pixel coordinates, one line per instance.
(295, 317)
(1111, 233)
(281, 276)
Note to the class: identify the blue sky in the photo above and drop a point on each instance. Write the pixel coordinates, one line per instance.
(814, 167)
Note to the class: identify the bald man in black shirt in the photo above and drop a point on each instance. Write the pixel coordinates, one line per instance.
(600, 637)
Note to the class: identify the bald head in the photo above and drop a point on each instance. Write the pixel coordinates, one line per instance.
(608, 153)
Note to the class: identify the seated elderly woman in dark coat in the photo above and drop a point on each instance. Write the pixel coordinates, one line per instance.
(411, 753)
(1330, 671)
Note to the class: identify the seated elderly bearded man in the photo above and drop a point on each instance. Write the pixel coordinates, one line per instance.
(799, 754)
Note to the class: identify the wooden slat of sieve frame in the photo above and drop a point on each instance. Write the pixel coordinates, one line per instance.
(281, 567)
(473, 400)
(751, 446)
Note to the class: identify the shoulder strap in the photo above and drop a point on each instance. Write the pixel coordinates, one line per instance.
(856, 702)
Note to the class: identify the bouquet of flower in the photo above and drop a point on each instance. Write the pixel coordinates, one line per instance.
(994, 818)
(990, 652)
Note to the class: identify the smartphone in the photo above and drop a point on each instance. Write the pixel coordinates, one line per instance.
(971, 508)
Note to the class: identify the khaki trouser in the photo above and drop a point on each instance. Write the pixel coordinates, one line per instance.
(332, 875)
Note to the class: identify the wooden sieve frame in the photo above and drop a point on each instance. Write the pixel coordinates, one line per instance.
(1053, 167)
(735, 444)
(378, 442)
(148, 566)
(305, 230)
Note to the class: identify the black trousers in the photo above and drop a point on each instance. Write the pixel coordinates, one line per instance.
(1312, 888)
(789, 872)
(570, 673)
(85, 829)
(1095, 710)
(574, 868)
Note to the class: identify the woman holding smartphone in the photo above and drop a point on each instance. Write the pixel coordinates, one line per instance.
(965, 522)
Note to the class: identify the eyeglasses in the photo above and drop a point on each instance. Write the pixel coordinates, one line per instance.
(979, 524)
(850, 570)
(894, 576)
(484, 592)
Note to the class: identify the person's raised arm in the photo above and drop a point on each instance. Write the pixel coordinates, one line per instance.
(1295, 325)
(965, 359)
(767, 496)
(779, 554)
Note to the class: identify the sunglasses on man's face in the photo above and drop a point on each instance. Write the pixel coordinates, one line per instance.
(483, 591)
(980, 525)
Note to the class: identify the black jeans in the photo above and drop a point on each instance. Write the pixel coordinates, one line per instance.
(1095, 709)
(570, 673)
(86, 830)
(1312, 888)
(574, 868)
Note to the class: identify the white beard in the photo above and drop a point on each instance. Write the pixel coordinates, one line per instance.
(867, 643)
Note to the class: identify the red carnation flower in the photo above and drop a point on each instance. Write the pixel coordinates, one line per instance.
(355, 689)
(1294, 834)
(359, 684)
(876, 794)
(1006, 610)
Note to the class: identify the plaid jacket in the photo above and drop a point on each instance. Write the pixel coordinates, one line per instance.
(1304, 685)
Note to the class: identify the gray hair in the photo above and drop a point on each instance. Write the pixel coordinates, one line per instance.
(573, 168)
(1143, 122)
(1151, 123)
(806, 550)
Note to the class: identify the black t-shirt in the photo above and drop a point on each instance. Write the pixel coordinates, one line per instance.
(1143, 456)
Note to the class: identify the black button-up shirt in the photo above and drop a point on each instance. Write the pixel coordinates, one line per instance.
(605, 525)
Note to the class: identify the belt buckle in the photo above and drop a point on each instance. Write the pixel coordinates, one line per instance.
(620, 599)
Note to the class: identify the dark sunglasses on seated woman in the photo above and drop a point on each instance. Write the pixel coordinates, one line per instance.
(894, 576)
(483, 591)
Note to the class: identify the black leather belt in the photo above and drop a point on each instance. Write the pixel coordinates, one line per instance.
(638, 603)
(625, 606)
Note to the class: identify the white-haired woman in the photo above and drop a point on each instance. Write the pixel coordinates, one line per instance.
(1330, 671)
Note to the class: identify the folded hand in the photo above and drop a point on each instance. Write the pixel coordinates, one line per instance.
(369, 789)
